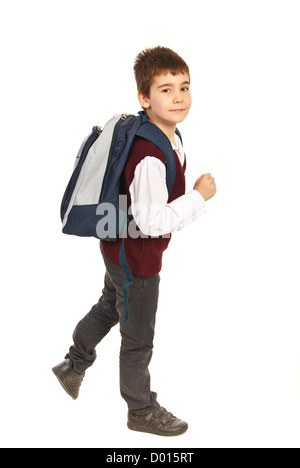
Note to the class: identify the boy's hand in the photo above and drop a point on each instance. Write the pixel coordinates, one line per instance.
(206, 186)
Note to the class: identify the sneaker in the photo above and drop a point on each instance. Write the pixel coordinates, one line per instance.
(159, 422)
(69, 380)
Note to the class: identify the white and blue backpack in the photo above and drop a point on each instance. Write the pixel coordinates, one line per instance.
(98, 168)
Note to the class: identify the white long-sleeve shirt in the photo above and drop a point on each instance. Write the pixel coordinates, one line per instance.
(149, 196)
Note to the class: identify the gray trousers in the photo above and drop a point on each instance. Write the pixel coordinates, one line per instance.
(137, 335)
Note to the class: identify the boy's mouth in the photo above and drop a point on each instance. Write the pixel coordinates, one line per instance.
(177, 110)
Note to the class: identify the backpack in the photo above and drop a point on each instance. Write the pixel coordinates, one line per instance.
(95, 181)
(94, 186)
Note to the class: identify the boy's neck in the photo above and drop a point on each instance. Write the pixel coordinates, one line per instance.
(169, 130)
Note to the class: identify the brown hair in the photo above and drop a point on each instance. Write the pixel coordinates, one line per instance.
(153, 62)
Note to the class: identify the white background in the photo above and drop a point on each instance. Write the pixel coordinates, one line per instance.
(227, 347)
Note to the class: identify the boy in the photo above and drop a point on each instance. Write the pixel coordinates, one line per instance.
(163, 82)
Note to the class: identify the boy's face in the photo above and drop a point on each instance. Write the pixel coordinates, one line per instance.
(169, 101)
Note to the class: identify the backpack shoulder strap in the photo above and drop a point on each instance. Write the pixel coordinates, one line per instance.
(147, 130)
(152, 133)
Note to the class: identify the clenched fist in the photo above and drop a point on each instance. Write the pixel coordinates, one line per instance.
(206, 186)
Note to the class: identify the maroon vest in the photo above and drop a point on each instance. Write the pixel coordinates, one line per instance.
(144, 255)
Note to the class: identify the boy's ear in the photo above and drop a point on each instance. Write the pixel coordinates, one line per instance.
(143, 100)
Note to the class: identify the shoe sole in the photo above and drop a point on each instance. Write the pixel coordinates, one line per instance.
(153, 431)
(59, 375)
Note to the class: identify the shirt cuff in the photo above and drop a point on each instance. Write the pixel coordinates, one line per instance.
(188, 207)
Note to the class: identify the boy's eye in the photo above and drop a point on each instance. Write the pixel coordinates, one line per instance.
(167, 90)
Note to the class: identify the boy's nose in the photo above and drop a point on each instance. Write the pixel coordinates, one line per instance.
(178, 97)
